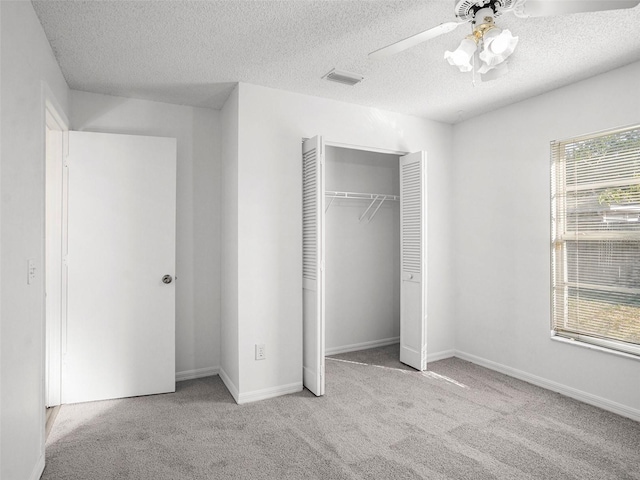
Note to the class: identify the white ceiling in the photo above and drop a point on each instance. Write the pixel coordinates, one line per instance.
(193, 52)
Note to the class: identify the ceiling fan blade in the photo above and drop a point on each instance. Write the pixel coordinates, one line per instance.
(416, 39)
(544, 8)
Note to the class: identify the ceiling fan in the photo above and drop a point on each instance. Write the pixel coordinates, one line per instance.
(487, 48)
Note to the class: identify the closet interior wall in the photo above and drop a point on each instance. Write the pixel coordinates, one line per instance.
(362, 257)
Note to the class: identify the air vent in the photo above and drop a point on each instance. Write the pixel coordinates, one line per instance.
(343, 77)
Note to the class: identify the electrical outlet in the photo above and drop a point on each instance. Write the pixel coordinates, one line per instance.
(31, 271)
(260, 352)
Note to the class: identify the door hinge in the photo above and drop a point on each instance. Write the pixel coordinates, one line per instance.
(322, 371)
(322, 266)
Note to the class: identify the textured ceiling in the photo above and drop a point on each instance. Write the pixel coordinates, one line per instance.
(193, 52)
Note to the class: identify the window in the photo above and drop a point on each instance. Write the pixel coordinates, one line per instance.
(595, 201)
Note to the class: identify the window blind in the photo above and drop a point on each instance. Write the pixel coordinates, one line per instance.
(596, 238)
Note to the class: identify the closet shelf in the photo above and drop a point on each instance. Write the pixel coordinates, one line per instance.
(374, 197)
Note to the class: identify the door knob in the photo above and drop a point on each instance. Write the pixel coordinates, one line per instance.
(167, 279)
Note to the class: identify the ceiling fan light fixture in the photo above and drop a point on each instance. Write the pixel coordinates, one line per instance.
(461, 56)
(488, 47)
(504, 42)
(498, 46)
(483, 67)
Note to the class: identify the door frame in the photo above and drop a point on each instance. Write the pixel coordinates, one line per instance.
(350, 146)
(329, 143)
(53, 118)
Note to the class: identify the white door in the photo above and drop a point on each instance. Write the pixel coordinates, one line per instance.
(120, 330)
(313, 264)
(413, 278)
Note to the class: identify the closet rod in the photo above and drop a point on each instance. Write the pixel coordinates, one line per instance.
(374, 197)
(360, 196)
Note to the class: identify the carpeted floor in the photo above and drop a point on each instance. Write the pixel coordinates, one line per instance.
(457, 421)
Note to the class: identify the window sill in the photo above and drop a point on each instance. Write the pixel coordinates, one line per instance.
(591, 346)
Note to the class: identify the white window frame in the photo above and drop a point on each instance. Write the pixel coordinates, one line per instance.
(559, 239)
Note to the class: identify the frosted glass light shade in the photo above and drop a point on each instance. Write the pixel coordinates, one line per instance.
(501, 44)
(461, 56)
(498, 46)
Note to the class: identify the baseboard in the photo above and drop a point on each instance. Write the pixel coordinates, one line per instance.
(574, 393)
(233, 390)
(38, 469)
(269, 392)
(361, 346)
(197, 373)
(434, 357)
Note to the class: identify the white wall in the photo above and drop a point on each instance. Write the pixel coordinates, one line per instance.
(362, 258)
(502, 236)
(26, 62)
(197, 131)
(271, 126)
(229, 361)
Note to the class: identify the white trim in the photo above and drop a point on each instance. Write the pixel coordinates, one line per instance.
(434, 357)
(605, 404)
(51, 103)
(233, 390)
(53, 259)
(197, 373)
(350, 146)
(270, 392)
(599, 133)
(38, 469)
(354, 347)
(578, 341)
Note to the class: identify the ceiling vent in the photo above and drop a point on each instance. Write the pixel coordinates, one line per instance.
(343, 77)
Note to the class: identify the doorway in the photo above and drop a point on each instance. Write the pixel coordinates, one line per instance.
(109, 261)
(55, 143)
(362, 249)
(412, 265)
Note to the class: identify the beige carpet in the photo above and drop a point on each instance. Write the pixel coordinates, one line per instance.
(457, 421)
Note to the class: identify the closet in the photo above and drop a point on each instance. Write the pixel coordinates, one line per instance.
(364, 254)
(362, 245)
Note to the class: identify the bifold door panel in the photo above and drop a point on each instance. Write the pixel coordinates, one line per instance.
(313, 264)
(413, 278)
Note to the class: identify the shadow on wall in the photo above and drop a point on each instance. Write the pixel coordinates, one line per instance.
(211, 95)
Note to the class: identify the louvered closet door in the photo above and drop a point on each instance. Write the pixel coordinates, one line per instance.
(313, 265)
(413, 289)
